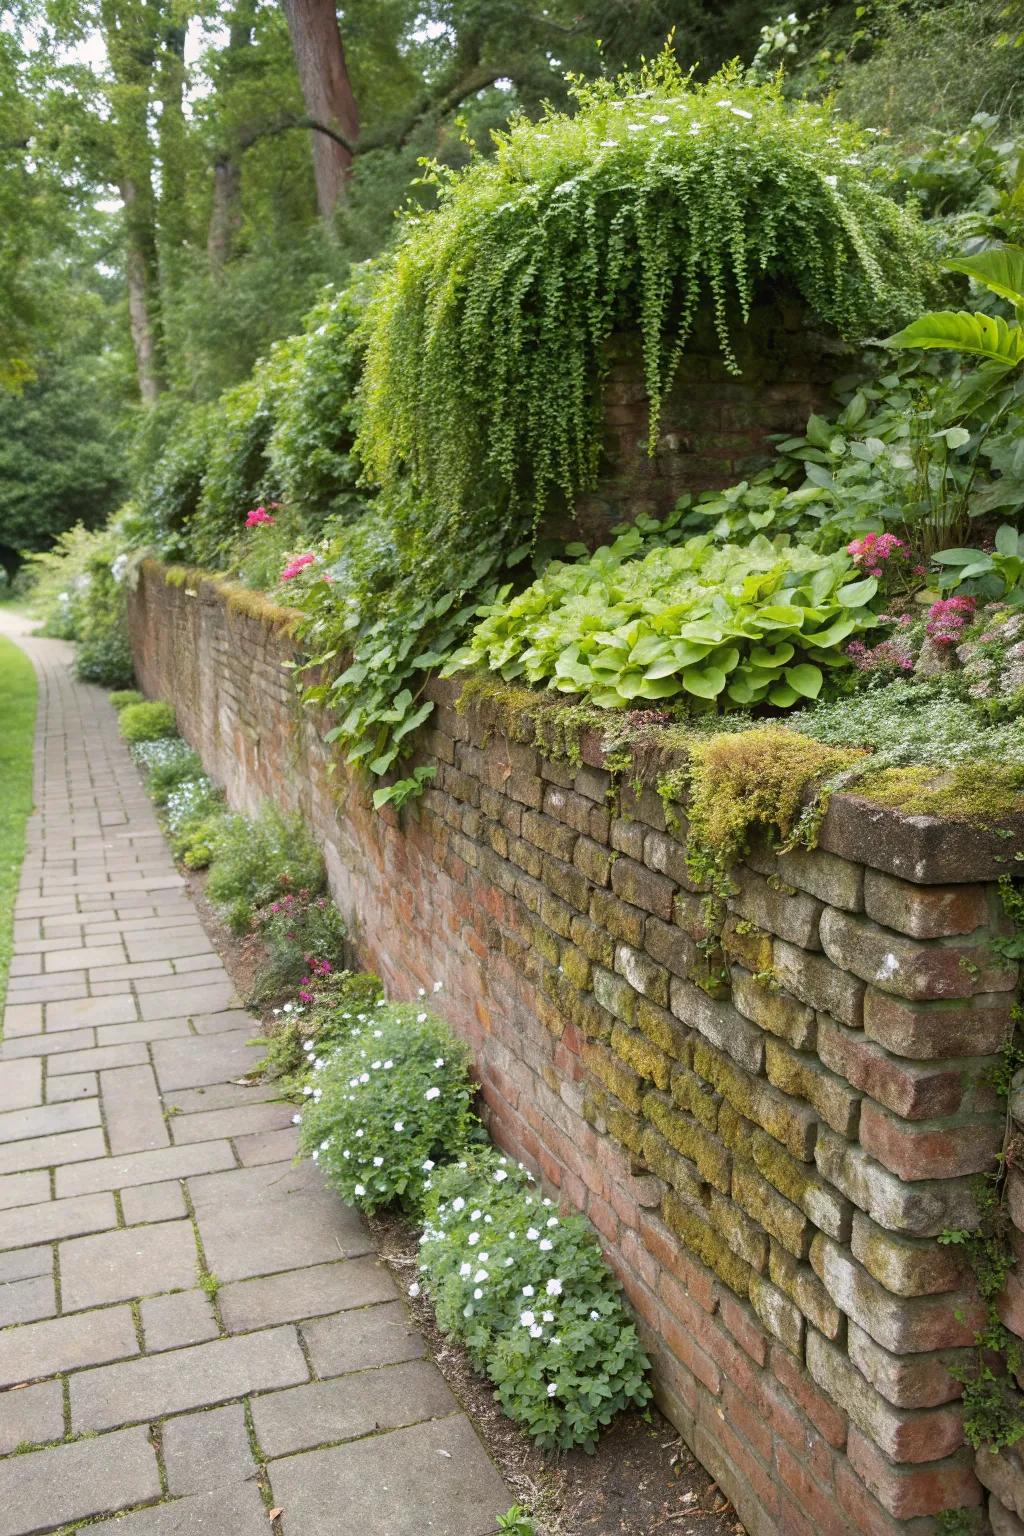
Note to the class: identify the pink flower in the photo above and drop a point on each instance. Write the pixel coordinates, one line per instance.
(948, 618)
(259, 515)
(295, 566)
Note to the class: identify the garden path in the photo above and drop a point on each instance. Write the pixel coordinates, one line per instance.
(191, 1328)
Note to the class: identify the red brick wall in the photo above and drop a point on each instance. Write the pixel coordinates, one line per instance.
(769, 1161)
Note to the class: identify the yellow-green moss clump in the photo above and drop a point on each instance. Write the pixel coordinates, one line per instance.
(983, 792)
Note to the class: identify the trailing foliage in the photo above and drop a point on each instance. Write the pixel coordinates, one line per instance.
(486, 339)
(391, 1101)
(530, 1295)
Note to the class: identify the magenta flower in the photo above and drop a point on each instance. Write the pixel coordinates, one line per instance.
(295, 566)
(257, 516)
(948, 618)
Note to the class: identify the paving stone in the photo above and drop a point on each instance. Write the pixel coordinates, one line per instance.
(173, 1002)
(23, 1019)
(46, 1045)
(351, 1406)
(196, 1063)
(236, 1511)
(200, 1376)
(267, 1146)
(47, 1119)
(354, 1341)
(144, 1167)
(302, 1293)
(256, 1221)
(48, 1151)
(192, 965)
(24, 1189)
(85, 958)
(76, 1085)
(50, 1488)
(229, 1018)
(133, 1110)
(64, 1343)
(220, 1096)
(30, 1415)
(121, 1266)
(186, 1317)
(21, 1084)
(19, 1263)
(57, 1218)
(243, 1120)
(141, 1029)
(207, 1450)
(159, 945)
(153, 1202)
(433, 1477)
(90, 1010)
(26, 1301)
(103, 1056)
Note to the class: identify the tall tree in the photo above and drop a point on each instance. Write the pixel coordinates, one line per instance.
(327, 93)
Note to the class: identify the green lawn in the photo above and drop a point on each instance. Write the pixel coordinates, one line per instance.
(17, 722)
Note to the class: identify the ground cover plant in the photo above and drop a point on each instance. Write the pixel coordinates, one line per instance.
(17, 724)
(149, 721)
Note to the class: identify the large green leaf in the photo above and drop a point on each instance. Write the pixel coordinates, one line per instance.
(1001, 269)
(987, 336)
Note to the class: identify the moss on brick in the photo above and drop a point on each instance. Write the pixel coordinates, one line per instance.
(693, 1140)
(709, 1246)
(689, 1092)
(645, 1058)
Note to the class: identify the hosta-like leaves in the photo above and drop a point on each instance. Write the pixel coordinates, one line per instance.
(987, 336)
(1001, 270)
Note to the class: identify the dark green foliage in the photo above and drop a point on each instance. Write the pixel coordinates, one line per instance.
(254, 862)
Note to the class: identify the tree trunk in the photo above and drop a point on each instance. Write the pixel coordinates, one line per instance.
(225, 212)
(327, 93)
(140, 278)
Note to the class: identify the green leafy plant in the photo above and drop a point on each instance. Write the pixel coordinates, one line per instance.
(167, 763)
(254, 862)
(147, 722)
(997, 574)
(301, 1035)
(516, 1522)
(530, 1295)
(997, 342)
(302, 936)
(390, 1102)
(487, 336)
(122, 697)
(744, 625)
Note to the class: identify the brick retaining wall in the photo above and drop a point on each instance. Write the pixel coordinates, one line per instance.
(769, 1161)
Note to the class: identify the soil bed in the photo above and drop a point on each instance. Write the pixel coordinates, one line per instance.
(642, 1481)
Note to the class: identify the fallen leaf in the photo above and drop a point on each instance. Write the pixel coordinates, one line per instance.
(445, 1453)
(275, 1512)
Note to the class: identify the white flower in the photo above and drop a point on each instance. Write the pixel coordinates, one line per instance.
(421, 1018)
(526, 1319)
(635, 127)
(421, 991)
(536, 1332)
(609, 143)
(432, 1093)
(477, 1294)
(360, 1189)
(831, 181)
(316, 1156)
(399, 1125)
(545, 1245)
(553, 1221)
(438, 985)
(360, 1132)
(659, 117)
(527, 1290)
(378, 1162)
(346, 1153)
(428, 1165)
(375, 1065)
(458, 1204)
(483, 1256)
(594, 1316)
(739, 112)
(414, 1289)
(307, 1090)
(552, 1389)
(554, 1287)
(480, 1276)
(548, 1317)
(509, 1262)
(287, 1007)
(500, 1176)
(388, 1064)
(725, 102)
(464, 1270)
(439, 1062)
(532, 1234)
(296, 1119)
(694, 128)
(474, 1238)
(474, 1215)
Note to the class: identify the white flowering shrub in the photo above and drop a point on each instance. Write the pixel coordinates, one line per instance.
(389, 1104)
(530, 1295)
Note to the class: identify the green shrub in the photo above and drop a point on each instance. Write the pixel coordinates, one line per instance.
(302, 936)
(122, 697)
(105, 659)
(389, 1103)
(487, 336)
(254, 862)
(301, 1035)
(168, 764)
(530, 1295)
(746, 624)
(147, 722)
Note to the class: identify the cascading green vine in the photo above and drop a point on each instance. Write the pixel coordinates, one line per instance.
(487, 336)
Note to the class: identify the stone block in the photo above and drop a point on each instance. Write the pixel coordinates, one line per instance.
(916, 969)
(903, 1325)
(925, 911)
(232, 1511)
(911, 1091)
(902, 1434)
(814, 980)
(907, 1266)
(923, 1209)
(64, 1343)
(67, 1483)
(949, 1150)
(931, 1031)
(347, 1407)
(304, 1293)
(835, 881)
(907, 1381)
(718, 1022)
(799, 1282)
(204, 1451)
(692, 1140)
(26, 1301)
(185, 1317)
(782, 1318)
(31, 1416)
(772, 1010)
(792, 916)
(1002, 1473)
(643, 888)
(800, 1075)
(791, 1124)
(783, 1220)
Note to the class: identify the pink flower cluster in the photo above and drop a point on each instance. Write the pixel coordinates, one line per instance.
(293, 567)
(257, 516)
(948, 618)
(318, 969)
(872, 551)
(895, 653)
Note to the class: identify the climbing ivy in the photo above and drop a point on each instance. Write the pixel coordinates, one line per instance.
(486, 337)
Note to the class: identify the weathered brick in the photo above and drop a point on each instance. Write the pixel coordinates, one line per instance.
(750, 945)
(614, 1073)
(671, 947)
(799, 1282)
(550, 835)
(800, 1075)
(708, 1245)
(691, 1093)
(666, 853)
(718, 1022)
(778, 1216)
(782, 1318)
(1002, 1473)
(621, 920)
(931, 1031)
(642, 973)
(901, 1324)
(834, 880)
(789, 915)
(907, 1266)
(791, 1124)
(902, 1434)
(814, 980)
(915, 1151)
(822, 1413)
(773, 1010)
(614, 994)
(737, 1318)
(691, 1139)
(592, 860)
(595, 943)
(913, 1092)
(922, 1210)
(670, 1166)
(925, 911)
(907, 1381)
(663, 1030)
(907, 1492)
(645, 1059)
(746, 1238)
(643, 888)
(829, 1211)
(594, 783)
(916, 969)
(627, 836)
(567, 883)
(694, 915)
(567, 806)
(643, 805)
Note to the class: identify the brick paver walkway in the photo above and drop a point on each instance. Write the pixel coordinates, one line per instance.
(191, 1328)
